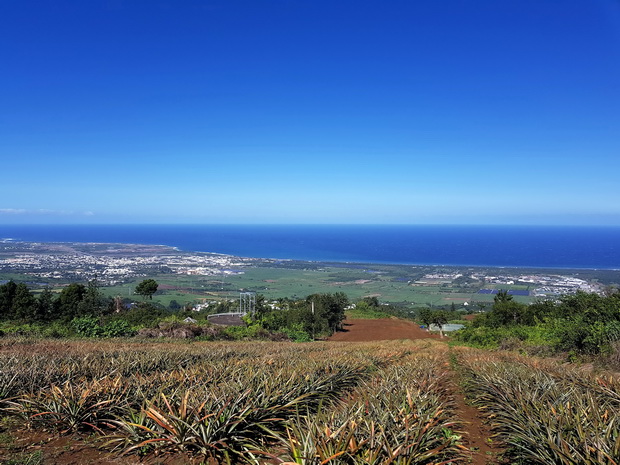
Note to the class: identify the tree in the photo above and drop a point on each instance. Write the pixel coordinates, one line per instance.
(69, 300)
(7, 294)
(24, 303)
(502, 296)
(92, 301)
(329, 311)
(372, 301)
(425, 315)
(439, 319)
(45, 304)
(147, 288)
(144, 314)
(433, 317)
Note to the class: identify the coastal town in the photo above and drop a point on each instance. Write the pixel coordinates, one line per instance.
(115, 264)
(537, 285)
(110, 264)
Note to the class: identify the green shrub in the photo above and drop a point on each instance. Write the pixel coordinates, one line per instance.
(21, 329)
(245, 332)
(143, 315)
(57, 329)
(576, 335)
(296, 333)
(118, 328)
(87, 326)
(508, 337)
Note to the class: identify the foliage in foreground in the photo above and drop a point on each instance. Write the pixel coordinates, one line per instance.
(546, 416)
(319, 403)
(402, 417)
(237, 402)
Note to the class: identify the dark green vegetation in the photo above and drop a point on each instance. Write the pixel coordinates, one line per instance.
(77, 309)
(82, 310)
(147, 288)
(75, 300)
(581, 323)
(318, 314)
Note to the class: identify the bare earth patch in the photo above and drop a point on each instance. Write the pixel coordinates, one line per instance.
(380, 329)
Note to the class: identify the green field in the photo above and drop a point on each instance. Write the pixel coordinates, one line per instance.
(389, 284)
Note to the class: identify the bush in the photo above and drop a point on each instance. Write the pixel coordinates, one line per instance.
(247, 332)
(510, 343)
(23, 329)
(486, 338)
(87, 326)
(213, 333)
(297, 334)
(583, 338)
(143, 315)
(613, 357)
(581, 323)
(172, 329)
(57, 330)
(118, 328)
(506, 337)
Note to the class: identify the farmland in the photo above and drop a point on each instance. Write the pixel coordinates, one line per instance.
(193, 277)
(398, 401)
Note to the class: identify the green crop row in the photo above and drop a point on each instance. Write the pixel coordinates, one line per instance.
(545, 414)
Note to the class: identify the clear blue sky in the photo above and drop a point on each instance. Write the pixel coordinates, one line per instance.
(283, 111)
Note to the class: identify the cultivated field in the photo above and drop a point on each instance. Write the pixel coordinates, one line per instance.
(388, 283)
(400, 401)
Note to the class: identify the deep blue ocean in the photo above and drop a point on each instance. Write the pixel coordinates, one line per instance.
(506, 246)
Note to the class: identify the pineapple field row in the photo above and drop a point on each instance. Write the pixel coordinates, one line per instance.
(316, 403)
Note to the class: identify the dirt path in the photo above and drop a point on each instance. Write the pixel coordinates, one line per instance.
(381, 329)
(478, 448)
(477, 434)
(477, 438)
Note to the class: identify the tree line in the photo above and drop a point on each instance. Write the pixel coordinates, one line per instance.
(81, 309)
(582, 323)
(17, 302)
(304, 319)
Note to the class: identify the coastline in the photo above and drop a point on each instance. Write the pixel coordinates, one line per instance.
(192, 276)
(522, 247)
(327, 262)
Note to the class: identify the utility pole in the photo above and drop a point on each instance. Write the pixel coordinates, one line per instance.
(313, 320)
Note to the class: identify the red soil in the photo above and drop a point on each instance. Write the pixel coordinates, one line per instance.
(360, 330)
(478, 447)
